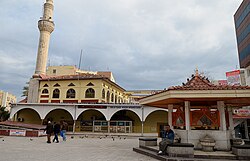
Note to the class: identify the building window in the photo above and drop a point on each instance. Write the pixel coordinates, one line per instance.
(90, 84)
(54, 71)
(57, 85)
(90, 93)
(56, 93)
(248, 73)
(46, 85)
(103, 94)
(71, 93)
(45, 91)
(108, 97)
(115, 99)
(71, 84)
(112, 97)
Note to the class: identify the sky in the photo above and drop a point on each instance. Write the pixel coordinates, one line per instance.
(147, 44)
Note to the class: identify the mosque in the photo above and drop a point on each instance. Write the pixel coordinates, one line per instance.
(89, 101)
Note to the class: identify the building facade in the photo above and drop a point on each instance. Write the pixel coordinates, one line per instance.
(6, 99)
(242, 27)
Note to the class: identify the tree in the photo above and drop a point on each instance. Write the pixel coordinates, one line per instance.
(4, 114)
(26, 90)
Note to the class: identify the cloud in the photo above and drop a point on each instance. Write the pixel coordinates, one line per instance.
(147, 44)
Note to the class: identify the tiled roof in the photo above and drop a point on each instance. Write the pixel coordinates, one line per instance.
(197, 82)
(22, 125)
(72, 77)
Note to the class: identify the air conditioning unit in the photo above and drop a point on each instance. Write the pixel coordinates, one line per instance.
(20, 119)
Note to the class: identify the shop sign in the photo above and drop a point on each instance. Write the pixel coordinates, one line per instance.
(17, 132)
(241, 113)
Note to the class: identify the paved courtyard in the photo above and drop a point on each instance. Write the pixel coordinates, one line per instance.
(77, 149)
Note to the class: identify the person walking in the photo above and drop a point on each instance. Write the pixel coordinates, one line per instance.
(56, 132)
(167, 138)
(49, 131)
(64, 127)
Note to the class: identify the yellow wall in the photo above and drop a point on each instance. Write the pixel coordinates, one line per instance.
(61, 70)
(29, 116)
(154, 119)
(80, 88)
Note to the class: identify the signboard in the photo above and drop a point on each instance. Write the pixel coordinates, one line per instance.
(17, 132)
(233, 77)
(41, 133)
(222, 82)
(241, 113)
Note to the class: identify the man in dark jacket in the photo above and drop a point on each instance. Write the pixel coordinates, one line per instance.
(56, 132)
(49, 131)
(167, 138)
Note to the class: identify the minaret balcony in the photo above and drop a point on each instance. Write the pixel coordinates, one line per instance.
(46, 25)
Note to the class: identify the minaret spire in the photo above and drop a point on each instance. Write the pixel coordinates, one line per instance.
(46, 27)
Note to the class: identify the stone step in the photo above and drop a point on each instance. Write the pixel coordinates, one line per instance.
(149, 153)
(152, 152)
(217, 157)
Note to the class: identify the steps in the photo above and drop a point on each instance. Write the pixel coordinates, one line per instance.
(152, 152)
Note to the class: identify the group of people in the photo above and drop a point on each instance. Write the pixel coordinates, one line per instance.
(56, 128)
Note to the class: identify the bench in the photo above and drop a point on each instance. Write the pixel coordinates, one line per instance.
(147, 141)
(181, 150)
(242, 151)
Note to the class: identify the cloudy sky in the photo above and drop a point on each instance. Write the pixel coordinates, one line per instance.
(147, 44)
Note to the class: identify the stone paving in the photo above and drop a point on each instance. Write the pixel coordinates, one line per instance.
(74, 149)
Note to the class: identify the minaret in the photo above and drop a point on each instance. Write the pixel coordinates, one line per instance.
(46, 27)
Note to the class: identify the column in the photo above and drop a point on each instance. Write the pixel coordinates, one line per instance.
(187, 114)
(170, 116)
(74, 127)
(231, 122)
(142, 127)
(221, 108)
(108, 126)
(42, 122)
(142, 122)
(246, 129)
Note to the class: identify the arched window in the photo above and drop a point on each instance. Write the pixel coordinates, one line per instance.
(56, 93)
(115, 99)
(108, 97)
(45, 91)
(71, 93)
(90, 93)
(112, 97)
(103, 94)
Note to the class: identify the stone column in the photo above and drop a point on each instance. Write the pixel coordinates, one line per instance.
(221, 108)
(170, 118)
(142, 122)
(187, 114)
(246, 129)
(41, 121)
(74, 127)
(108, 126)
(231, 123)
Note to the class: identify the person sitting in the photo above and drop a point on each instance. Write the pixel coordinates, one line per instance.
(167, 138)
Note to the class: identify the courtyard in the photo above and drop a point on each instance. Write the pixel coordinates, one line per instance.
(79, 148)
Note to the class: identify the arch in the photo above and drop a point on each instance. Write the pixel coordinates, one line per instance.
(71, 93)
(45, 91)
(155, 120)
(103, 93)
(85, 120)
(128, 115)
(90, 93)
(28, 115)
(57, 115)
(56, 93)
